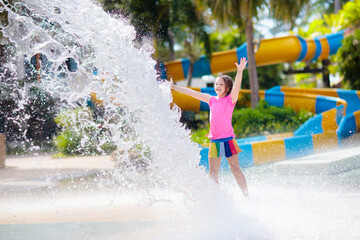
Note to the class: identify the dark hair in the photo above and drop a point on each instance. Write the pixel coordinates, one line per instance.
(229, 82)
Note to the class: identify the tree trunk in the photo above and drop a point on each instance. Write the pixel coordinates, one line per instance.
(171, 44)
(156, 52)
(192, 59)
(190, 73)
(254, 83)
(326, 73)
(337, 6)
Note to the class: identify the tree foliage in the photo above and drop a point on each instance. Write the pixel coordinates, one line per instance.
(269, 76)
(222, 40)
(150, 18)
(349, 53)
(348, 56)
(164, 20)
(242, 13)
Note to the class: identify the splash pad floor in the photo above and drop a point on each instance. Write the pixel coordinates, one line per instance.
(45, 198)
(44, 171)
(323, 163)
(82, 214)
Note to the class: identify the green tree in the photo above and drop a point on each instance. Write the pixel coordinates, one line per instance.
(168, 23)
(189, 24)
(349, 53)
(222, 40)
(347, 58)
(225, 39)
(241, 13)
(150, 18)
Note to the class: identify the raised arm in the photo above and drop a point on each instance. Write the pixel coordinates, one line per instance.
(238, 79)
(188, 91)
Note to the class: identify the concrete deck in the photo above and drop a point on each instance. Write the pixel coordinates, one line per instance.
(38, 171)
(323, 163)
(38, 189)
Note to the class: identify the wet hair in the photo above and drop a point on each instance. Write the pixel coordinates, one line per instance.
(229, 82)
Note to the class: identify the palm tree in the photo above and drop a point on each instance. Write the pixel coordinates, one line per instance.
(241, 13)
(190, 24)
(337, 6)
(150, 18)
(161, 20)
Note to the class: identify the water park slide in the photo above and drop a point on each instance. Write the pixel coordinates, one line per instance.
(270, 51)
(337, 111)
(337, 117)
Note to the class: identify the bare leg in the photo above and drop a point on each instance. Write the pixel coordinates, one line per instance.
(238, 174)
(214, 165)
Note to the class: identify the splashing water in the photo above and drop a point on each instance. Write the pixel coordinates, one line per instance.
(136, 107)
(128, 78)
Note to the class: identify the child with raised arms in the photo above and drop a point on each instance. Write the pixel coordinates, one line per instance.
(221, 134)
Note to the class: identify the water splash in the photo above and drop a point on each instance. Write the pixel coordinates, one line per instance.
(154, 150)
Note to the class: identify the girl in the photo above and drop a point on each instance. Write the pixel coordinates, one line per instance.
(222, 142)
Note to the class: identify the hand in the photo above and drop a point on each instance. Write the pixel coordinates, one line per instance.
(172, 84)
(242, 65)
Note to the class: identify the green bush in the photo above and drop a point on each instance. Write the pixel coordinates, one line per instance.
(27, 116)
(67, 142)
(262, 120)
(266, 119)
(199, 136)
(81, 134)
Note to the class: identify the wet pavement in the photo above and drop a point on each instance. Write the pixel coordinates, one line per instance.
(39, 171)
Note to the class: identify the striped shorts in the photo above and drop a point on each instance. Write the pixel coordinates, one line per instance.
(223, 147)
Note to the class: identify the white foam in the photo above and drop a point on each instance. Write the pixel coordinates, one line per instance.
(127, 78)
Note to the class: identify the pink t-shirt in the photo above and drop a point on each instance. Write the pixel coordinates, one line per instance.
(221, 110)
